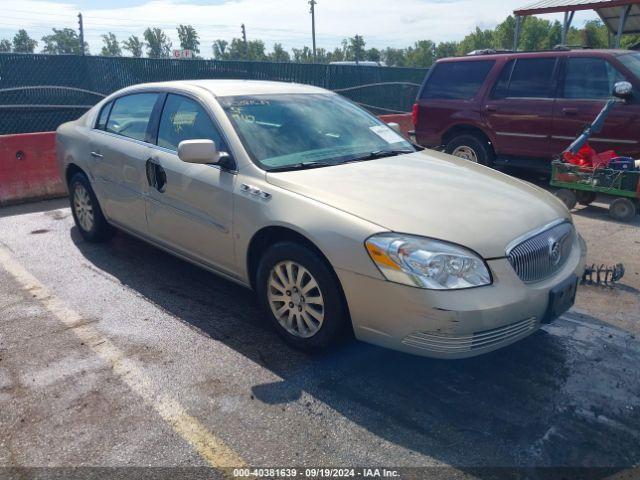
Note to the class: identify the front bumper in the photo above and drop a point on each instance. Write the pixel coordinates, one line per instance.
(453, 324)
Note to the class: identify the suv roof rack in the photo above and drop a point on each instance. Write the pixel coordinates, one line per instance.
(557, 48)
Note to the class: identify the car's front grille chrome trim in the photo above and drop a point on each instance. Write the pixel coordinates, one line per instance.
(542, 253)
(439, 342)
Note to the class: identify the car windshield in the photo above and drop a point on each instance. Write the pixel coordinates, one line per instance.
(284, 131)
(632, 62)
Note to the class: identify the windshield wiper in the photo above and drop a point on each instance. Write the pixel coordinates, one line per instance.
(379, 154)
(300, 166)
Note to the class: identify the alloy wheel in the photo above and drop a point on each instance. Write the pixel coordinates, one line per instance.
(295, 299)
(83, 207)
(466, 153)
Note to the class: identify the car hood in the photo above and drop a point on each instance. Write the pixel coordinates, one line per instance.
(431, 194)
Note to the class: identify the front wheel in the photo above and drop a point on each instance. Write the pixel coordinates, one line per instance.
(300, 295)
(568, 197)
(86, 211)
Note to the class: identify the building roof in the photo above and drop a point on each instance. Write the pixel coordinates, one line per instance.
(608, 10)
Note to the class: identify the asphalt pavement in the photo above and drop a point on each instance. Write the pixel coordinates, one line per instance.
(121, 356)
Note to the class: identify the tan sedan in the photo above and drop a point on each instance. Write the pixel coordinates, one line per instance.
(333, 218)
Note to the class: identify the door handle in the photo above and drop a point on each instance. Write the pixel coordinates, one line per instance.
(569, 111)
(491, 108)
(96, 155)
(151, 173)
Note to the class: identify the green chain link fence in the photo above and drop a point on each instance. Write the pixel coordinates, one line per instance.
(39, 92)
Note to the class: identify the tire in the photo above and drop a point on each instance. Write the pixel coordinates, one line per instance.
(585, 198)
(327, 313)
(472, 148)
(86, 211)
(568, 197)
(622, 210)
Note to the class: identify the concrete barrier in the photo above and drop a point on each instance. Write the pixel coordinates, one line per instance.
(28, 168)
(402, 119)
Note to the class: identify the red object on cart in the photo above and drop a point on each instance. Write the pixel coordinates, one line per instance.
(588, 157)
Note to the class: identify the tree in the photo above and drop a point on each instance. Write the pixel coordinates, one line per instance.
(220, 51)
(133, 45)
(373, 55)
(477, 40)
(422, 54)
(23, 43)
(394, 57)
(111, 46)
(504, 33)
(355, 48)
(189, 39)
(303, 55)
(279, 54)
(447, 49)
(5, 46)
(158, 44)
(65, 41)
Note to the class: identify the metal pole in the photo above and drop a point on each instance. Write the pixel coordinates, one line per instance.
(313, 4)
(244, 40)
(568, 19)
(81, 33)
(623, 20)
(516, 34)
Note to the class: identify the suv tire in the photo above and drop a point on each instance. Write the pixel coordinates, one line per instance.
(470, 147)
(86, 211)
(295, 282)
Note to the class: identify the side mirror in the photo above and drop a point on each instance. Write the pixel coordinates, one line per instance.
(396, 128)
(622, 90)
(198, 151)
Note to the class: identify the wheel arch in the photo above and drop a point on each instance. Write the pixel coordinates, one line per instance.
(70, 171)
(270, 235)
(468, 129)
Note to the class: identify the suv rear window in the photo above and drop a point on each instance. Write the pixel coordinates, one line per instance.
(527, 78)
(456, 80)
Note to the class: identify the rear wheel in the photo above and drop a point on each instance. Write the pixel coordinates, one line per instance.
(470, 147)
(86, 211)
(300, 295)
(568, 197)
(585, 198)
(622, 210)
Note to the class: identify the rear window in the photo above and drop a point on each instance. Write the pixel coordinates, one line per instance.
(457, 80)
(527, 78)
(104, 114)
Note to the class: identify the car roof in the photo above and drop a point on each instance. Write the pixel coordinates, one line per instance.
(586, 52)
(224, 88)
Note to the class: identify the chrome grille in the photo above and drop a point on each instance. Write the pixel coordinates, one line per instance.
(536, 258)
(478, 340)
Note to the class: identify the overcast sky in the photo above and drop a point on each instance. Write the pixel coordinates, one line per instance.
(383, 23)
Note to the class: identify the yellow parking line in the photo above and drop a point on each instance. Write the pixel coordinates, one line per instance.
(209, 447)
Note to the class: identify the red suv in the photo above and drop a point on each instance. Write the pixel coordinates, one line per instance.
(521, 108)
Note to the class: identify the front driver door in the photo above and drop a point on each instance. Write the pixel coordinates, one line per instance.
(190, 206)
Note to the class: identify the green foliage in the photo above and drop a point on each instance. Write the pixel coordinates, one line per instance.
(111, 47)
(133, 45)
(158, 44)
(64, 41)
(279, 54)
(23, 43)
(189, 38)
(5, 46)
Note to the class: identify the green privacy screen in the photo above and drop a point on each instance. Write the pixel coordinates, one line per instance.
(39, 92)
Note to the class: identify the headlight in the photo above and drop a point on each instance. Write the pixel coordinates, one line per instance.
(426, 263)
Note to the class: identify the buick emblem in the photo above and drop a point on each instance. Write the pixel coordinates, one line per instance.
(554, 252)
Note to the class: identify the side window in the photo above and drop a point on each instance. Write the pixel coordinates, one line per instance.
(184, 119)
(527, 78)
(590, 78)
(104, 114)
(130, 115)
(457, 80)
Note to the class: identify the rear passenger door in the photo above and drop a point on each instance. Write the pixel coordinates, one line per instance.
(190, 206)
(519, 109)
(120, 146)
(588, 83)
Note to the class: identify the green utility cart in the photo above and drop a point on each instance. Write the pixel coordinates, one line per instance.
(581, 185)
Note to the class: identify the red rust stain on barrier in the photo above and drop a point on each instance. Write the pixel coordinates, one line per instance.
(28, 169)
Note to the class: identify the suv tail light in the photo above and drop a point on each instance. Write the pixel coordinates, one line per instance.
(414, 114)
